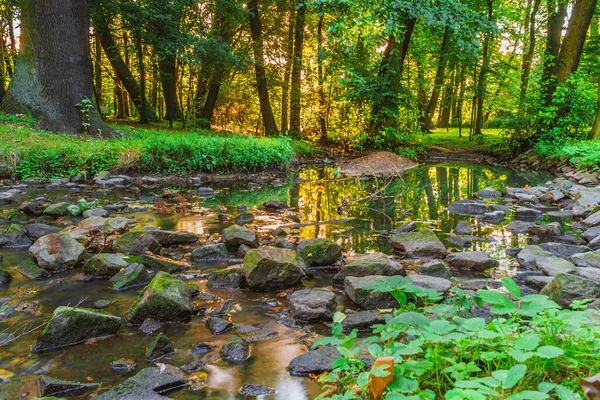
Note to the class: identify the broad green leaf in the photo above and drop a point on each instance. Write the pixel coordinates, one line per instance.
(515, 374)
(549, 352)
(338, 317)
(528, 395)
(500, 374)
(527, 342)
(403, 384)
(413, 318)
(464, 394)
(493, 297)
(471, 324)
(375, 350)
(512, 287)
(546, 387)
(521, 356)
(441, 327)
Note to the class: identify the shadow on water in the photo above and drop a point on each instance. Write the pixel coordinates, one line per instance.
(360, 210)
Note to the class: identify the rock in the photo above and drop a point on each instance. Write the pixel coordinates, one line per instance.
(431, 282)
(228, 278)
(494, 217)
(463, 229)
(31, 208)
(150, 326)
(586, 200)
(252, 334)
(314, 362)
(274, 205)
(463, 241)
(236, 235)
(5, 277)
(132, 276)
(115, 225)
(31, 270)
(533, 279)
(592, 220)
(225, 309)
(589, 259)
(235, 351)
(526, 197)
(194, 366)
(102, 303)
(591, 274)
(595, 244)
(211, 252)
(148, 384)
(469, 207)
(370, 264)
(48, 386)
(57, 209)
(419, 244)
(285, 244)
(253, 390)
(218, 326)
(14, 237)
(166, 298)
(545, 232)
(57, 252)
(242, 250)
(488, 194)
(519, 226)
(95, 212)
(434, 268)
(206, 192)
(553, 196)
(203, 347)
(36, 231)
(363, 320)
(472, 260)
(243, 219)
(528, 214)
(271, 268)
(409, 227)
(354, 290)
(563, 250)
(159, 347)
(591, 234)
(173, 238)
(159, 263)
(107, 265)
(566, 288)
(122, 365)
(535, 257)
(312, 305)
(70, 326)
(136, 243)
(319, 252)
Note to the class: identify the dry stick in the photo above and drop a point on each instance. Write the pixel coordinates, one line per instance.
(12, 337)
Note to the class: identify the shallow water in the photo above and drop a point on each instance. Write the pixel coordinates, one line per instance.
(363, 210)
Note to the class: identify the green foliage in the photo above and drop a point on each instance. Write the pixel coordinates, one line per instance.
(80, 207)
(531, 349)
(85, 107)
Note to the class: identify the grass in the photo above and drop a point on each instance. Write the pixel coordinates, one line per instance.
(27, 152)
(449, 140)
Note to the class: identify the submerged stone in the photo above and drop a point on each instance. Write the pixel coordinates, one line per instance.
(314, 362)
(250, 390)
(218, 326)
(14, 236)
(235, 351)
(148, 384)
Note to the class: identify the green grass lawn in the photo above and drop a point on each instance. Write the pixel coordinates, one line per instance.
(449, 140)
(27, 152)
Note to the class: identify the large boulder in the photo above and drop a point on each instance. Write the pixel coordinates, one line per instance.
(588, 259)
(312, 305)
(173, 238)
(314, 362)
(148, 384)
(60, 209)
(318, 252)
(469, 207)
(229, 278)
(132, 276)
(434, 268)
(370, 264)
(419, 244)
(14, 236)
(36, 231)
(166, 298)
(236, 235)
(106, 264)
(136, 243)
(211, 252)
(57, 252)
(472, 261)
(70, 326)
(272, 268)
(354, 288)
(534, 257)
(566, 288)
(586, 200)
(235, 351)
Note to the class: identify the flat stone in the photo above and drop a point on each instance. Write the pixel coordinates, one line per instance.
(588, 259)
(591, 233)
(535, 257)
(132, 276)
(236, 235)
(519, 226)
(434, 268)
(272, 268)
(254, 390)
(212, 252)
(469, 207)
(440, 285)
(48, 386)
(229, 278)
(355, 291)
(586, 199)
(370, 264)
(419, 244)
(314, 362)
(173, 238)
(528, 214)
(165, 264)
(563, 250)
(218, 326)
(148, 384)
(566, 288)
(546, 232)
(494, 217)
(462, 228)
(36, 231)
(312, 305)
(488, 194)
(593, 219)
(363, 320)
(31, 270)
(95, 212)
(136, 243)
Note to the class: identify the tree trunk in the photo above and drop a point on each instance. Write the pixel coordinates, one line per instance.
(556, 20)
(528, 56)
(55, 73)
(385, 105)
(167, 67)
(142, 108)
(120, 97)
(595, 132)
(321, 82)
(296, 89)
(121, 68)
(438, 83)
(269, 123)
(2, 68)
(285, 86)
(98, 72)
(481, 84)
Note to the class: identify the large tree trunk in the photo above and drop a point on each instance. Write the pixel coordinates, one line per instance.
(528, 55)
(321, 82)
(296, 89)
(54, 77)
(3, 54)
(98, 73)
(167, 66)
(121, 69)
(269, 123)
(556, 20)
(449, 97)
(595, 132)
(481, 84)
(384, 109)
(438, 83)
(287, 71)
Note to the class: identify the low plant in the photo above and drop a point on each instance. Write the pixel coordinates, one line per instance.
(530, 349)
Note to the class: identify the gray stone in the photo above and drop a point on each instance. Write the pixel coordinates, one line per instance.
(519, 226)
(60, 209)
(463, 229)
(150, 326)
(95, 212)
(528, 214)
(271, 268)
(57, 252)
(136, 243)
(235, 351)
(236, 235)
(440, 285)
(36, 231)
(31, 270)
(419, 244)
(469, 207)
(314, 362)
(148, 384)
(159, 347)
(132, 276)
(274, 205)
(312, 305)
(588, 259)
(586, 200)
(370, 264)
(218, 326)
(14, 237)
(211, 252)
(409, 227)
(591, 234)
(106, 264)
(254, 390)
(463, 241)
(363, 320)
(535, 257)
(563, 250)
(173, 238)
(488, 194)
(48, 386)
(566, 288)
(5, 277)
(354, 288)
(31, 208)
(546, 232)
(159, 263)
(319, 252)
(494, 217)
(589, 273)
(243, 219)
(593, 219)
(434, 268)
(229, 278)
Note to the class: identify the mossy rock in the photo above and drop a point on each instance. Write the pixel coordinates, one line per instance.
(49, 386)
(228, 278)
(5, 277)
(166, 298)
(318, 252)
(149, 383)
(159, 263)
(30, 269)
(132, 276)
(60, 209)
(235, 351)
(70, 326)
(136, 243)
(355, 291)
(159, 347)
(106, 265)
(272, 268)
(14, 236)
(211, 252)
(566, 288)
(370, 264)
(57, 252)
(419, 244)
(236, 235)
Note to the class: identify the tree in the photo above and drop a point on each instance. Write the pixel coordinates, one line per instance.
(481, 81)
(53, 75)
(296, 88)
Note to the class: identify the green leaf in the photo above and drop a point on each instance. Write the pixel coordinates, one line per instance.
(512, 287)
(546, 387)
(403, 384)
(375, 350)
(338, 317)
(549, 352)
(527, 342)
(515, 374)
(528, 395)
(521, 356)
(493, 297)
(471, 324)
(464, 394)
(413, 318)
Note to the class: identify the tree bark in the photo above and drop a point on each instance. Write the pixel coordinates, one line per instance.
(98, 72)
(321, 83)
(556, 20)
(167, 67)
(55, 76)
(285, 86)
(595, 132)
(438, 83)
(296, 89)
(270, 126)
(2, 68)
(528, 55)
(481, 84)
(121, 69)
